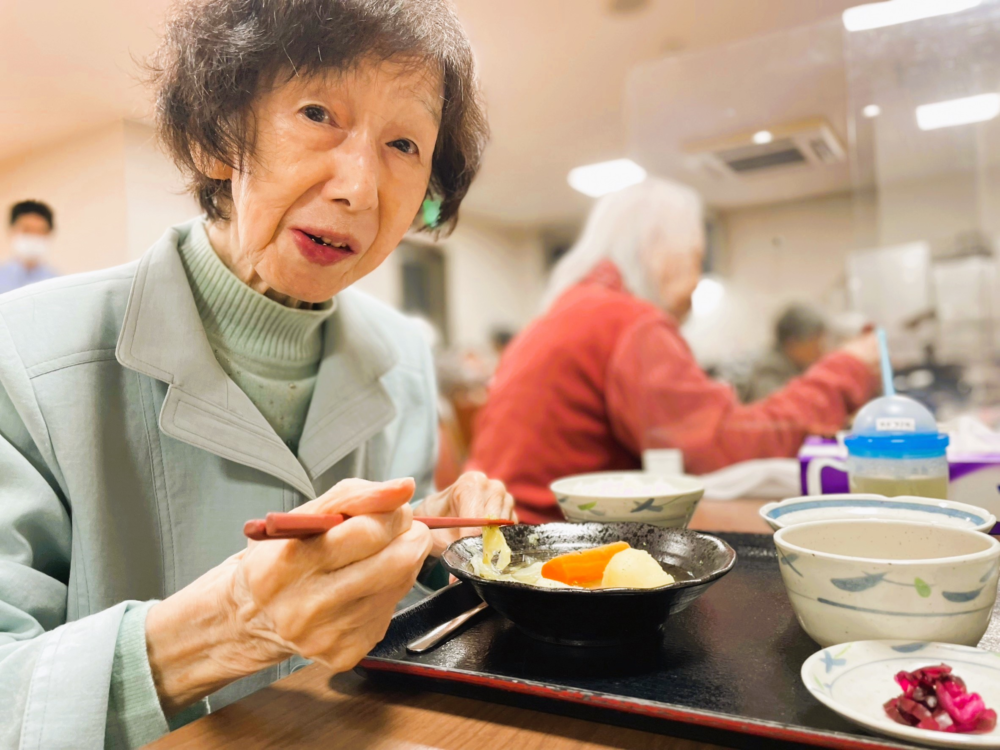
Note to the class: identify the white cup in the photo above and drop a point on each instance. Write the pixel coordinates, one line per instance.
(665, 462)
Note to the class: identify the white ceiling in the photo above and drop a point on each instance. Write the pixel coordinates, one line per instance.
(751, 85)
(554, 73)
(68, 66)
(901, 67)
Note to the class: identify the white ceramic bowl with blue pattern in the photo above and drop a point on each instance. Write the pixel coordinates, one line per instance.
(629, 496)
(904, 508)
(864, 580)
(856, 679)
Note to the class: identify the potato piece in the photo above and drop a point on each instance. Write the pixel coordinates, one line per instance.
(634, 569)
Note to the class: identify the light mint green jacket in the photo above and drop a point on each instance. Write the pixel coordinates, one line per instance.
(129, 462)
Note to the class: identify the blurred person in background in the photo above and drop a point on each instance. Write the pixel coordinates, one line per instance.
(800, 342)
(30, 240)
(604, 373)
(500, 338)
(148, 411)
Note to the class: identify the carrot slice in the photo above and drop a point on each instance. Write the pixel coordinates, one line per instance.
(582, 567)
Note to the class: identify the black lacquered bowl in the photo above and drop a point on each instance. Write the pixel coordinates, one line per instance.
(583, 617)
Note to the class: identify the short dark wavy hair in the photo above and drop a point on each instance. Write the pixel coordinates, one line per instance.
(217, 56)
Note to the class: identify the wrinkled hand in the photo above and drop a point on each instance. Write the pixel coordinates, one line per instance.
(864, 348)
(474, 495)
(328, 598)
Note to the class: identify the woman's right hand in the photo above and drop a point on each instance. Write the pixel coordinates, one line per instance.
(864, 348)
(329, 598)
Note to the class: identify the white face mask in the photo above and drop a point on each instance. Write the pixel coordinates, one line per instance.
(30, 247)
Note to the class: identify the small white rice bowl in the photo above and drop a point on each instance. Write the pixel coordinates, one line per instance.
(629, 496)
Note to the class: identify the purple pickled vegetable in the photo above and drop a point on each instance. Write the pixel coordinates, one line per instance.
(907, 683)
(933, 698)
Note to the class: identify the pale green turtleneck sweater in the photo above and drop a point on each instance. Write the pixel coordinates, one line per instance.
(272, 352)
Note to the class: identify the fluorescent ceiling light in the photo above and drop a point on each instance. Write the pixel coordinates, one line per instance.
(707, 297)
(762, 136)
(605, 177)
(877, 15)
(958, 111)
(872, 110)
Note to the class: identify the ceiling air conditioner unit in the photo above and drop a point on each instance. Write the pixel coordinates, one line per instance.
(807, 144)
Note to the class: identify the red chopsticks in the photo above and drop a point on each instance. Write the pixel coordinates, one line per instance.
(305, 525)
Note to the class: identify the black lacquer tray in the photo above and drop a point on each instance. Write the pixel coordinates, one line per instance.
(726, 672)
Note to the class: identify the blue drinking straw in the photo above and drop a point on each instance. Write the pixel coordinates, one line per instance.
(883, 347)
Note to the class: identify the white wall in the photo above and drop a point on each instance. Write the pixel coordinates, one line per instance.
(796, 252)
(495, 278)
(775, 255)
(155, 196)
(112, 191)
(83, 180)
(929, 209)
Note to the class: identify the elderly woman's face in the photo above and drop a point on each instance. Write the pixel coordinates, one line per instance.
(675, 265)
(680, 274)
(341, 168)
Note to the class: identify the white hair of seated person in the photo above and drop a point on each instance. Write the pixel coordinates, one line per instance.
(633, 228)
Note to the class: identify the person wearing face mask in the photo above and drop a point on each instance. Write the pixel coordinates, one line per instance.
(148, 411)
(604, 373)
(31, 226)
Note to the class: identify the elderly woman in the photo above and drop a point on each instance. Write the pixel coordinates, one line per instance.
(147, 411)
(605, 372)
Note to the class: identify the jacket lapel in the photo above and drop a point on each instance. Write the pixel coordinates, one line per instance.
(350, 404)
(163, 337)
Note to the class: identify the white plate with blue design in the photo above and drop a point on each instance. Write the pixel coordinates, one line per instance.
(809, 508)
(856, 679)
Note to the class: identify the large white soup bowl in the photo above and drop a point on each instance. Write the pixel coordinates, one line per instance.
(872, 579)
(854, 506)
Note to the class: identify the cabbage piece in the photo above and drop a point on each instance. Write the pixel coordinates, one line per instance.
(496, 559)
(495, 545)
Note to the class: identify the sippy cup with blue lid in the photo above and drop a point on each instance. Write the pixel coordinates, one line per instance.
(895, 447)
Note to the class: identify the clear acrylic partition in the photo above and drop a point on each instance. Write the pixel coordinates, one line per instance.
(901, 231)
(936, 187)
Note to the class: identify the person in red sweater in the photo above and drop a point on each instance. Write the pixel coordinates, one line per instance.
(604, 373)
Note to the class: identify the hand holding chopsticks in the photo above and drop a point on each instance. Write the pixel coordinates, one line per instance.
(329, 601)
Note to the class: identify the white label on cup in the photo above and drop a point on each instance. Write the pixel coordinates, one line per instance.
(895, 424)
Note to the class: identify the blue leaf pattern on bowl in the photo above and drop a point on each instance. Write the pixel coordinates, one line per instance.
(832, 662)
(789, 561)
(909, 648)
(648, 505)
(988, 573)
(861, 583)
(961, 596)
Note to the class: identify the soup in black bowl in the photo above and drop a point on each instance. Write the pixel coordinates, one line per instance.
(580, 616)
